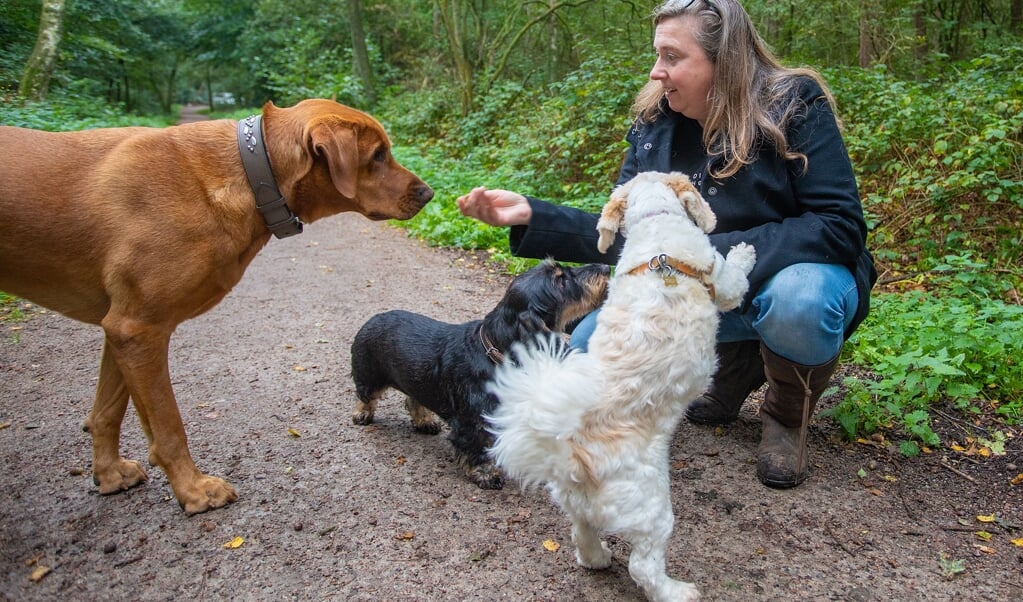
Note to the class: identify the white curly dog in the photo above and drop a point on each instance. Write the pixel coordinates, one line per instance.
(596, 427)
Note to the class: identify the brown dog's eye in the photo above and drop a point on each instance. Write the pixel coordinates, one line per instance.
(380, 155)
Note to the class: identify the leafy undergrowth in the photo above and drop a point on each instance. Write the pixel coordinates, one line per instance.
(923, 351)
(67, 113)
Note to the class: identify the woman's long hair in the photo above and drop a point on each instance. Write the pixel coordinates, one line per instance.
(753, 96)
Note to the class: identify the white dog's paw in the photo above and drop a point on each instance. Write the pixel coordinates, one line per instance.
(676, 591)
(593, 558)
(742, 256)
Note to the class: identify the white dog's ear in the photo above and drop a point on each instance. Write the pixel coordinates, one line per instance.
(697, 208)
(611, 218)
(699, 211)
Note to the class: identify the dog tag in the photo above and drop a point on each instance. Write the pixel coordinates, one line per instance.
(670, 280)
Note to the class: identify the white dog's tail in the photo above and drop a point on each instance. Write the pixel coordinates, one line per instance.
(543, 395)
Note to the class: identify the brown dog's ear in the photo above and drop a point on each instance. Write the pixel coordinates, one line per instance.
(611, 217)
(339, 146)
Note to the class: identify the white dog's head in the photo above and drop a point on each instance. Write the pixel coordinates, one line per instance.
(647, 194)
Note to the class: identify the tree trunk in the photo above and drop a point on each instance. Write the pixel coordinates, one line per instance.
(359, 53)
(1016, 17)
(209, 89)
(451, 15)
(35, 81)
(866, 44)
(920, 27)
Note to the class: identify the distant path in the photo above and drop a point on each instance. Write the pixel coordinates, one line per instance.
(190, 113)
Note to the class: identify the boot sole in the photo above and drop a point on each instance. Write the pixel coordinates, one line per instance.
(775, 482)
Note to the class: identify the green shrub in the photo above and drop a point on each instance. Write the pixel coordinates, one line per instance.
(925, 349)
(940, 163)
(65, 113)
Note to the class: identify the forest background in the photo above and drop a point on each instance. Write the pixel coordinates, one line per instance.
(534, 96)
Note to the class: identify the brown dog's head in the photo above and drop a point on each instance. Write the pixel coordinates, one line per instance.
(645, 201)
(330, 158)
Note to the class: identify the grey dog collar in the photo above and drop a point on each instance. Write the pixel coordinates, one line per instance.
(256, 161)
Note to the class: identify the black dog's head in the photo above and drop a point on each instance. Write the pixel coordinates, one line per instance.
(545, 298)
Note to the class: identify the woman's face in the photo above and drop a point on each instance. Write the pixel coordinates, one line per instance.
(682, 67)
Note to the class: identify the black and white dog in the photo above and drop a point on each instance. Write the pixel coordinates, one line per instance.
(443, 369)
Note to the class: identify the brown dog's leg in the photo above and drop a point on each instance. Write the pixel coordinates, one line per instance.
(109, 471)
(141, 353)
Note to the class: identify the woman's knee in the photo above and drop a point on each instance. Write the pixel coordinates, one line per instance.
(807, 307)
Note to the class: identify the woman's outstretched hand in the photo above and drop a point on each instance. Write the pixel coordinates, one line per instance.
(496, 207)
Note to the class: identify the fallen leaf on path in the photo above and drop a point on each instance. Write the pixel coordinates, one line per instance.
(988, 518)
(234, 544)
(294, 433)
(39, 572)
(4, 425)
(1017, 542)
(985, 549)
(521, 517)
(983, 535)
(299, 368)
(551, 546)
(1017, 480)
(407, 535)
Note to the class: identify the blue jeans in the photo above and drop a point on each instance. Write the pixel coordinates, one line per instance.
(800, 314)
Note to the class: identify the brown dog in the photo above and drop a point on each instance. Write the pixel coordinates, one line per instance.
(139, 229)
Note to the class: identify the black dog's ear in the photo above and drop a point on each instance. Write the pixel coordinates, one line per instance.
(530, 323)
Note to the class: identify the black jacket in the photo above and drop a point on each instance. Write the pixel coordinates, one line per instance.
(789, 216)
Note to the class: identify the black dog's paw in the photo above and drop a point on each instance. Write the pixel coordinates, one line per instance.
(427, 428)
(423, 420)
(364, 417)
(486, 476)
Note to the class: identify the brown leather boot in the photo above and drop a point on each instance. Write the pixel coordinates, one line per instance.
(740, 372)
(792, 394)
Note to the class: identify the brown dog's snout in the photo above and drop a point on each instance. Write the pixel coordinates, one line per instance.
(422, 194)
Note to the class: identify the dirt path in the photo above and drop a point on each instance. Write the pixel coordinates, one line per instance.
(332, 511)
(191, 113)
(380, 513)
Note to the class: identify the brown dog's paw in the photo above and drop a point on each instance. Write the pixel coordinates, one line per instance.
(203, 494)
(122, 475)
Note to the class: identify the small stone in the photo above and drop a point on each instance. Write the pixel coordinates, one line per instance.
(110, 548)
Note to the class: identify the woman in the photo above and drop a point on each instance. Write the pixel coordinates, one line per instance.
(762, 144)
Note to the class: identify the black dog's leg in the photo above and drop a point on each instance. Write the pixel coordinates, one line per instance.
(365, 408)
(471, 440)
(370, 381)
(423, 420)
